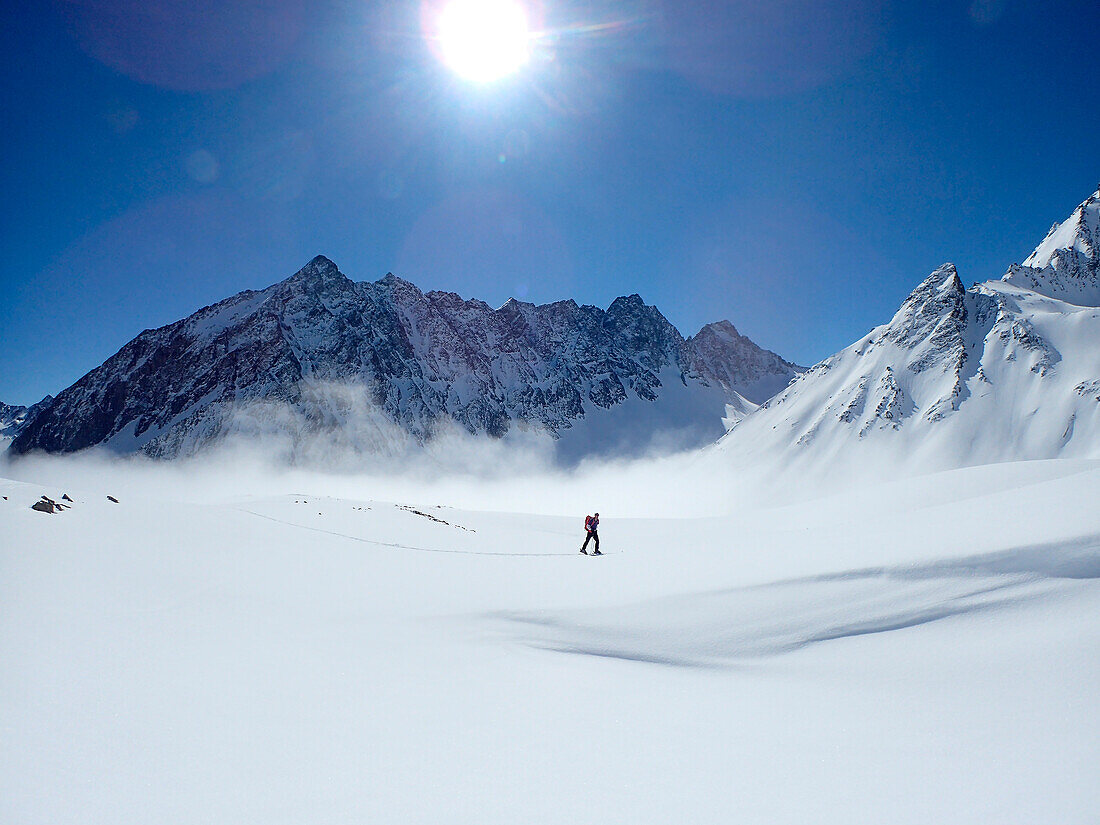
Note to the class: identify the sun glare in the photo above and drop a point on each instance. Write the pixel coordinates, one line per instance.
(483, 40)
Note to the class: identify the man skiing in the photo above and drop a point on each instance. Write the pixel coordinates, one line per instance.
(591, 525)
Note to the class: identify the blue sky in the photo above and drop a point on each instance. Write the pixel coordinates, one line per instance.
(795, 166)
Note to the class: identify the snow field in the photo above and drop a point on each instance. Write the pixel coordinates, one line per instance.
(923, 650)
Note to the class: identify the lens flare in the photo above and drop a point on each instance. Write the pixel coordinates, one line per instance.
(483, 40)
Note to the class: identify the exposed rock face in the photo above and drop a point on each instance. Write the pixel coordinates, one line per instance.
(48, 505)
(1004, 370)
(719, 353)
(384, 361)
(14, 419)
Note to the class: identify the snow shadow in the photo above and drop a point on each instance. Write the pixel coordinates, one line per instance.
(721, 628)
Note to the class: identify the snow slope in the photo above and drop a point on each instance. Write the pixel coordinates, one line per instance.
(912, 652)
(1002, 371)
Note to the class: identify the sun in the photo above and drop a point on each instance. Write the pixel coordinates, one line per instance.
(483, 40)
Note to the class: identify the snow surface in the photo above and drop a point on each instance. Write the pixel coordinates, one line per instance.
(223, 646)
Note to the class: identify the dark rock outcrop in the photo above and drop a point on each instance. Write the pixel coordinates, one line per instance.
(14, 419)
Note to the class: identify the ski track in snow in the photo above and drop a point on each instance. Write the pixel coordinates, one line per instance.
(720, 628)
(396, 545)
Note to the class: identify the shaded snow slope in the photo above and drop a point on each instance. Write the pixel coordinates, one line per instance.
(729, 626)
(379, 368)
(921, 651)
(1005, 370)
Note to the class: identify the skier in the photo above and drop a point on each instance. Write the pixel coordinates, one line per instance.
(591, 525)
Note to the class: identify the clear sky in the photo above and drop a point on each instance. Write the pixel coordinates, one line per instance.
(796, 166)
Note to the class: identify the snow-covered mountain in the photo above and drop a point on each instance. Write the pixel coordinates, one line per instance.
(377, 367)
(14, 418)
(1066, 265)
(749, 375)
(1007, 369)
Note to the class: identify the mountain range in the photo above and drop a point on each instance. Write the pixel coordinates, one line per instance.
(1003, 370)
(378, 368)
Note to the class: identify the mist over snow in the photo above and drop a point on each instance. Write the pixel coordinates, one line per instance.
(455, 468)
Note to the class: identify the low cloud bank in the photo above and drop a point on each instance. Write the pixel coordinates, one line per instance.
(517, 473)
(334, 440)
(372, 458)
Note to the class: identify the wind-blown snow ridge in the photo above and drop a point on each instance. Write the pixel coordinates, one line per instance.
(723, 627)
(379, 368)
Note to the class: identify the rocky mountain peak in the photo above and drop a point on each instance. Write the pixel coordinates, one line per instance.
(1066, 265)
(1079, 232)
(723, 330)
(321, 262)
(941, 293)
(945, 278)
(396, 288)
(628, 303)
(719, 353)
(319, 273)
